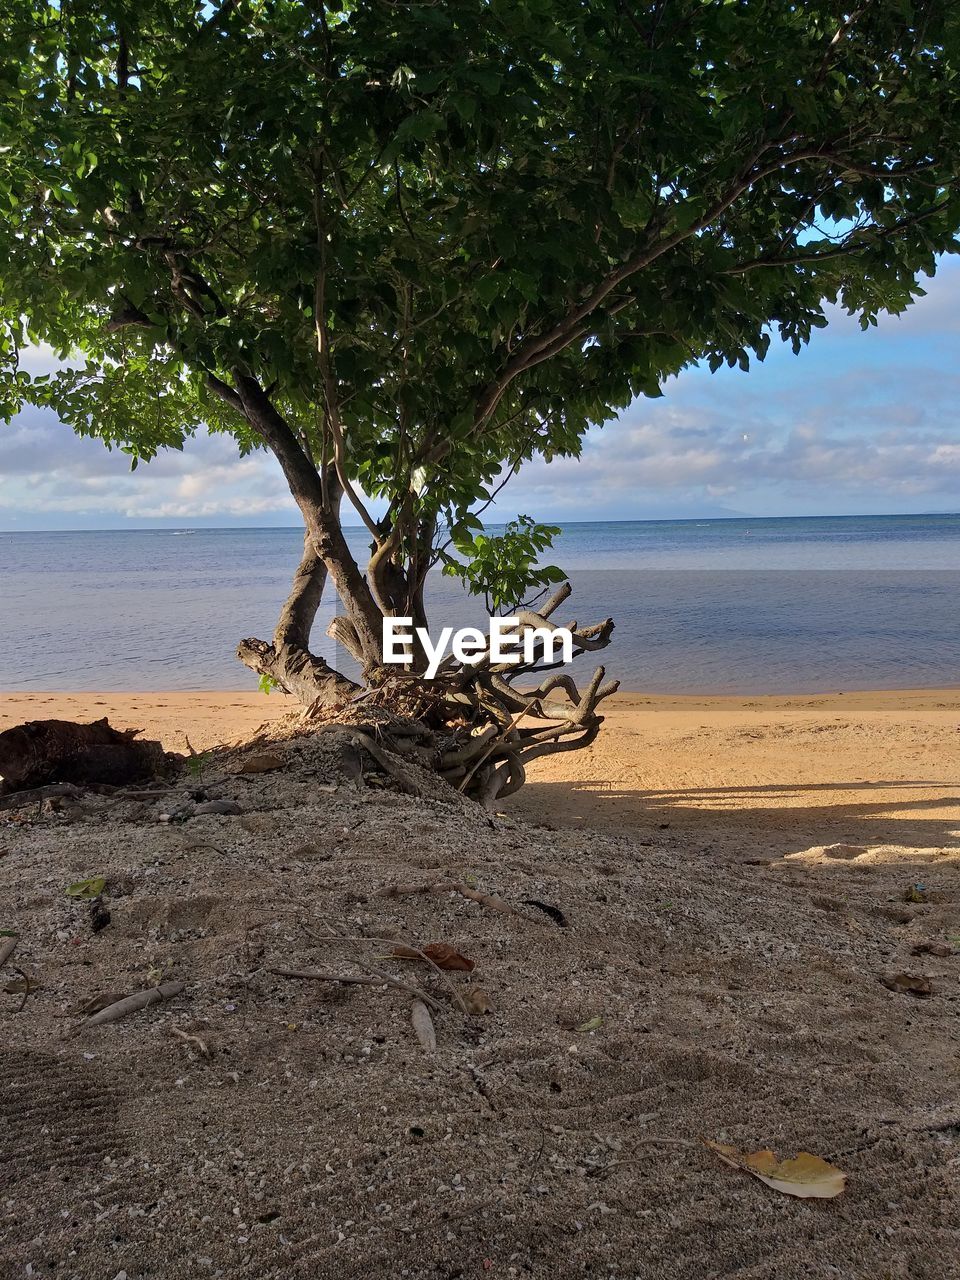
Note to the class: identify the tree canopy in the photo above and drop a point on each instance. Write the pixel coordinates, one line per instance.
(408, 246)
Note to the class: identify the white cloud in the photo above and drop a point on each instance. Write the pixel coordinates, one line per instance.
(856, 422)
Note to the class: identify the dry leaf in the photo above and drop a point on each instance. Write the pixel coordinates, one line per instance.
(423, 1025)
(262, 764)
(478, 1002)
(806, 1176)
(441, 953)
(910, 984)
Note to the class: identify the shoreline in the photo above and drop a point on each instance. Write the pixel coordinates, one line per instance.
(739, 776)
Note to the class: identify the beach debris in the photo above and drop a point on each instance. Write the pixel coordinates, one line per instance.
(388, 763)
(372, 978)
(91, 888)
(23, 985)
(228, 808)
(193, 1041)
(555, 914)
(7, 947)
(490, 900)
(592, 1024)
(916, 893)
(265, 763)
(99, 914)
(102, 1000)
(910, 984)
(478, 1002)
(130, 1004)
(423, 1026)
(60, 751)
(439, 953)
(804, 1175)
(940, 949)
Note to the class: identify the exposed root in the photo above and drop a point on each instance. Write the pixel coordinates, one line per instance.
(470, 723)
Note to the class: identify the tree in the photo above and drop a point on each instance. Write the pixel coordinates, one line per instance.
(407, 247)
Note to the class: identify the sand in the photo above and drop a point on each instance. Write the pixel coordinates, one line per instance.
(775, 773)
(738, 878)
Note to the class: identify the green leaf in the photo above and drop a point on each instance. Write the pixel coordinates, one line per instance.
(91, 888)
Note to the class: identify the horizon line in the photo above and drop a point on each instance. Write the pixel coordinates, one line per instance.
(359, 528)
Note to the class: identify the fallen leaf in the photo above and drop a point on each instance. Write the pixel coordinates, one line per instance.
(423, 1026)
(91, 888)
(590, 1025)
(910, 984)
(478, 1002)
(805, 1175)
(262, 764)
(440, 953)
(940, 949)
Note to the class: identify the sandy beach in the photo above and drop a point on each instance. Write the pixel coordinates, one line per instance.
(732, 920)
(780, 773)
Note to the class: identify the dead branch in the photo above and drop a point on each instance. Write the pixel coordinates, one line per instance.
(374, 978)
(130, 1004)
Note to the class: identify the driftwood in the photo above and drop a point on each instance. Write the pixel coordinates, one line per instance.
(44, 752)
(130, 1004)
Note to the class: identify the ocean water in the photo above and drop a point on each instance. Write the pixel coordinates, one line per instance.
(725, 606)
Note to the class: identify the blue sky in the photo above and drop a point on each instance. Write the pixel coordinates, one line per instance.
(858, 423)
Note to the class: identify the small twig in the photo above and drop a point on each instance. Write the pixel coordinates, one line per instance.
(27, 988)
(189, 1039)
(157, 793)
(17, 798)
(374, 978)
(653, 1142)
(490, 900)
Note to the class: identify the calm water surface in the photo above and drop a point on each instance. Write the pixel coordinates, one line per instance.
(739, 606)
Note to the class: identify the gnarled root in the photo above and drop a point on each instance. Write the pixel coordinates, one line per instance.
(483, 732)
(470, 723)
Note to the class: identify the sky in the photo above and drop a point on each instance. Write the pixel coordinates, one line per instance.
(857, 424)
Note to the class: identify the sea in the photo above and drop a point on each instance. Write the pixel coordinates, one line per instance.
(739, 606)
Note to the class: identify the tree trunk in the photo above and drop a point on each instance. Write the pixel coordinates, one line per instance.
(288, 661)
